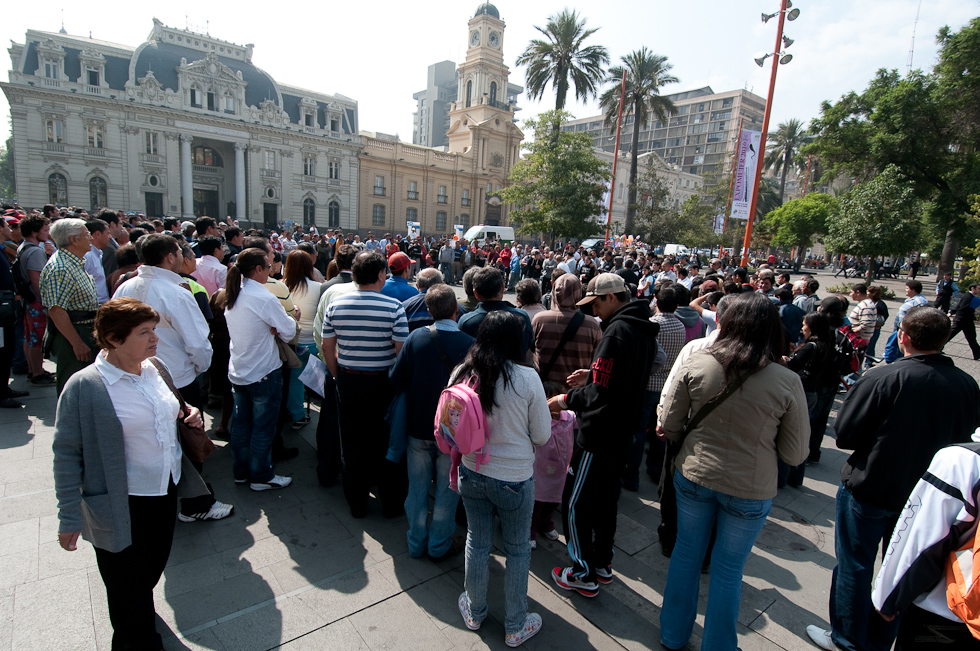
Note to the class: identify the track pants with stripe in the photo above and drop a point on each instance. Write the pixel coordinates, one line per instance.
(589, 510)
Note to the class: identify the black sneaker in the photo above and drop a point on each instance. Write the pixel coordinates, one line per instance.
(42, 379)
(457, 545)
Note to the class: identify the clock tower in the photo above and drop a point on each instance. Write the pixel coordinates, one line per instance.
(481, 120)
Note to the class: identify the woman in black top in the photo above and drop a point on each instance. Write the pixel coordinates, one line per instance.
(874, 293)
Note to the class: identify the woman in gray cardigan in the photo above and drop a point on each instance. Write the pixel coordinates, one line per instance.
(117, 463)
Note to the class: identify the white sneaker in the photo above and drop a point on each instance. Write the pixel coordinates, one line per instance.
(217, 511)
(551, 535)
(532, 624)
(534, 544)
(821, 638)
(275, 482)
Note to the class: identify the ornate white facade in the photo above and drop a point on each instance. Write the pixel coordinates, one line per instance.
(183, 125)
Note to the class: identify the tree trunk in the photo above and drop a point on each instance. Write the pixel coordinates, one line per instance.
(950, 248)
(782, 179)
(631, 193)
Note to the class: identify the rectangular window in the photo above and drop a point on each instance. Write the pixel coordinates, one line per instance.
(721, 115)
(270, 160)
(489, 188)
(413, 190)
(51, 69)
(379, 186)
(212, 102)
(378, 215)
(195, 98)
(152, 144)
(309, 166)
(334, 124)
(466, 198)
(727, 102)
(93, 76)
(464, 221)
(308, 119)
(442, 198)
(55, 130)
(412, 214)
(334, 170)
(96, 137)
(229, 104)
(441, 221)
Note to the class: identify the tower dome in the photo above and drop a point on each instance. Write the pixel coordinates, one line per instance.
(488, 9)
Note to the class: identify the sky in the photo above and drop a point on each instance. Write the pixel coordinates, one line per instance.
(379, 57)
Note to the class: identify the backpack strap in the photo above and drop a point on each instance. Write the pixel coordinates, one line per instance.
(442, 351)
(566, 336)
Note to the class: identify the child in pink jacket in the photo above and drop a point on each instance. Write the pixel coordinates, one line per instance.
(550, 468)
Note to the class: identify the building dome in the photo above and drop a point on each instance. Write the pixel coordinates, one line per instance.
(488, 9)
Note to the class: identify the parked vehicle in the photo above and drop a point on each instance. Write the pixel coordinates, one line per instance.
(676, 250)
(481, 233)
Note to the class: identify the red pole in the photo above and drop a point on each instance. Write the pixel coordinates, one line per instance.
(762, 140)
(731, 184)
(619, 126)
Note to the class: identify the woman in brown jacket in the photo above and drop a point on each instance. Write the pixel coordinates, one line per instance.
(726, 466)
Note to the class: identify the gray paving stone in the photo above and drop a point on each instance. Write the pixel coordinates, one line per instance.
(348, 594)
(53, 614)
(6, 622)
(19, 568)
(203, 641)
(18, 537)
(631, 536)
(53, 560)
(267, 627)
(318, 566)
(212, 602)
(394, 624)
(339, 635)
(27, 507)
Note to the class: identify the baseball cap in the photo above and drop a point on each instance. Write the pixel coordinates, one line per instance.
(185, 224)
(708, 286)
(604, 284)
(398, 261)
(11, 220)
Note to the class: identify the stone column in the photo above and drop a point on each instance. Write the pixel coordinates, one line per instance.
(240, 183)
(186, 178)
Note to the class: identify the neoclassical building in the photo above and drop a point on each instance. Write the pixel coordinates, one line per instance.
(183, 125)
(401, 182)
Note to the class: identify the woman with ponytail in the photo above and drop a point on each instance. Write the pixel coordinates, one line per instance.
(255, 319)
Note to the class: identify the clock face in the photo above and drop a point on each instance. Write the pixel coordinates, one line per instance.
(494, 39)
(474, 38)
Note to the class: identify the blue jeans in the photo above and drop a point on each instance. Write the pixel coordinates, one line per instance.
(892, 352)
(447, 271)
(425, 463)
(513, 504)
(739, 522)
(860, 530)
(297, 390)
(253, 426)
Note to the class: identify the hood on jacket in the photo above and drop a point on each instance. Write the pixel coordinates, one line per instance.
(636, 313)
(566, 292)
(688, 316)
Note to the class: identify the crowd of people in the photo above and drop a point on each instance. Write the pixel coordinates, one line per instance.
(724, 379)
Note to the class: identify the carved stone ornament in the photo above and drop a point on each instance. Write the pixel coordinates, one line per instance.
(496, 160)
(152, 89)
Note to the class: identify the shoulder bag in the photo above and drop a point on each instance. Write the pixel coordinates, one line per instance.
(193, 440)
(566, 336)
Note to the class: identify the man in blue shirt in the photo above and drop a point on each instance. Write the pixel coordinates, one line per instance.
(913, 292)
(397, 286)
(963, 317)
(488, 287)
(416, 309)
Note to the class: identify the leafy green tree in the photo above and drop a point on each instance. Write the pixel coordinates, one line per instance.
(657, 219)
(782, 151)
(557, 187)
(563, 60)
(646, 73)
(798, 222)
(8, 186)
(697, 222)
(879, 217)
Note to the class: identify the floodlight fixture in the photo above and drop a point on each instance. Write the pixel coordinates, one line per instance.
(793, 14)
(787, 41)
(785, 58)
(762, 60)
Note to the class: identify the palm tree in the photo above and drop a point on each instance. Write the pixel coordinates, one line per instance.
(646, 72)
(782, 146)
(561, 58)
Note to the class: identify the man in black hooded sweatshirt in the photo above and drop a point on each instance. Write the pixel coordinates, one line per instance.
(608, 400)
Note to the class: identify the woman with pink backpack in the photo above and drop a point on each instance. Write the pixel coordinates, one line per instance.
(498, 480)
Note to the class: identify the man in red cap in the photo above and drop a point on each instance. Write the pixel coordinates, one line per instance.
(397, 286)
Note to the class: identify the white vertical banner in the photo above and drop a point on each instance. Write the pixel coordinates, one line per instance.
(459, 231)
(413, 229)
(746, 162)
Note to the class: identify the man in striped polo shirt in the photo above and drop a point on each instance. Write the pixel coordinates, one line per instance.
(363, 331)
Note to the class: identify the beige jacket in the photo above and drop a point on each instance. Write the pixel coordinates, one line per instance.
(734, 450)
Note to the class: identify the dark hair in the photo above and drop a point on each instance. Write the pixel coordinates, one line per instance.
(257, 242)
(96, 225)
(118, 317)
(783, 293)
(750, 335)
(155, 248)
(171, 223)
(813, 286)
(915, 286)
(488, 283)
(208, 244)
(682, 272)
(820, 328)
(667, 299)
(33, 224)
(333, 269)
(345, 256)
(245, 264)
(552, 389)
(440, 300)
(834, 307)
(232, 232)
(927, 328)
(874, 292)
(299, 269)
(202, 225)
(367, 266)
(731, 287)
(528, 292)
(713, 298)
(860, 288)
(49, 208)
(498, 342)
(305, 247)
(108, 216)
(126, 255)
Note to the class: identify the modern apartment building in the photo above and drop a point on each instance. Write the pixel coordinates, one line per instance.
(699, 138)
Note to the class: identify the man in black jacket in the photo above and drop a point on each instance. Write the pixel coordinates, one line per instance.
(885, 419)
(608, 400)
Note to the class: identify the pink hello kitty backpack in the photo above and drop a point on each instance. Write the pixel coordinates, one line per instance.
(461, 426)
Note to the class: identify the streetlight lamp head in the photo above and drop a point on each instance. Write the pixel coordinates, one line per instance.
(787, 41)
(786, 58)
(762, 60)
(793, 15)
(789, 4)
(766, 17)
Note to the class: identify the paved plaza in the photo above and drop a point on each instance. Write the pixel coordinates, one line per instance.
(292, 569)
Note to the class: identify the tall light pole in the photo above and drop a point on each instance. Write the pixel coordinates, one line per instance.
(777, 58)
(619, 127)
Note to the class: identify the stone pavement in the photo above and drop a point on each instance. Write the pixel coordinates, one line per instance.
(292, 569)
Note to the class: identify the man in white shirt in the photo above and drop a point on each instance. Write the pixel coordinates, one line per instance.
(184, 346)
(211, 272)
(93, 259)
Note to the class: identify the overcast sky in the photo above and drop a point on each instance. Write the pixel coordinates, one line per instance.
(377, 52)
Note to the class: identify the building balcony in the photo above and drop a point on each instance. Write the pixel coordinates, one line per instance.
(209, 169)
(269, 174)
(151, 158)
(379, 192)
(442, 198)
(465, 201)
(92, 90)
(55, 146)
(413, 195)
(309, 129)
(95, 151)
(52, 83)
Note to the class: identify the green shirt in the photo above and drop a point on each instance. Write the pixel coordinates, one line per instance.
(65, 284)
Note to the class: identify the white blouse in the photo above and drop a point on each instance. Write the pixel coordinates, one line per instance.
(147, 410)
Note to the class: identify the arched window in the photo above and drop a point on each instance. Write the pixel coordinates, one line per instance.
(98, 193)
(58, 189)
(469, 92)
(309, 213)
(333, 215)
(441, 222)
(493, 93)
(378, 215)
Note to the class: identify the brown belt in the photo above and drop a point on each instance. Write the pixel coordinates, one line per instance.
(353, 371)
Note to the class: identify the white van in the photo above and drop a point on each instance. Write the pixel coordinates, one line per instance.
(481, 233)
(676, 250)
